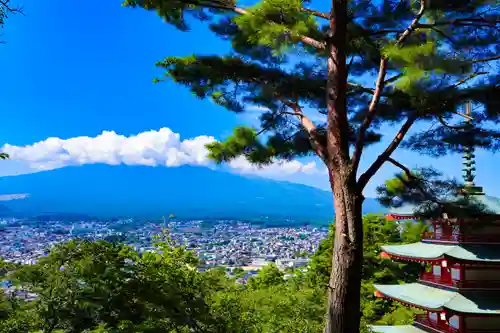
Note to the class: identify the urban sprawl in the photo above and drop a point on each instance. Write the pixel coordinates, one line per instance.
(223, 243)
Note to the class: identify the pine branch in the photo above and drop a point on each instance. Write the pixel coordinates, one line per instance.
(482, 22)
(441, 32)
(310, 129)
(382, 158)
(413, 25)
(304, 39)
(415, 179)
(379, 87)
(453, 127)
(316, 13)
(468, 78)
(6, 4)
(384, 32)
(484, 59)
(394, 78)
(361, 88)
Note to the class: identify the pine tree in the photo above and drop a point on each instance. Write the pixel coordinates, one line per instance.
(6, 8)
(360, 64)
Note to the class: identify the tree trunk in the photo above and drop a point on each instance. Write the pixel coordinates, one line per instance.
(344, 313)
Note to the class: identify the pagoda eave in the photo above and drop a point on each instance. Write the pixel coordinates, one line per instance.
(436, 253)
(398, 217)
(397, 329)
(407, 304)
(411, 259)
(434, 299)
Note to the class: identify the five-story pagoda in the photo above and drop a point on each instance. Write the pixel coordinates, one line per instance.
(459, 285)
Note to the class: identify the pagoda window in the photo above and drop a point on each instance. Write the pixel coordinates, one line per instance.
(436, 270)
(438, 231)
(454, 322)
(433, 317)
(456, 232)
(455, 273)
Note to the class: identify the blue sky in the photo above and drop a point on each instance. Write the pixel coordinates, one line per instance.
(70, 69)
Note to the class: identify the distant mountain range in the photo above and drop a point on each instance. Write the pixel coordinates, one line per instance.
(107, 191)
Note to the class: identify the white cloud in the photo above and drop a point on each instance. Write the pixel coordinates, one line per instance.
(151, 148)
(277, 169)
(9, 197)
(257, 108)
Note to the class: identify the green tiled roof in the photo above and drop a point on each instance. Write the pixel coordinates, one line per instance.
(397, 329)
(482, 253)
(438, 299)
(489, 203)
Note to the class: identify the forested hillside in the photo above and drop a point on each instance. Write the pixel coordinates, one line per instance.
(108, 287)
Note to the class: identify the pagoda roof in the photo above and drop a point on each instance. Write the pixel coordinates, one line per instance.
(397, 329)
(428, 251)
(490, 204)
(436, 299)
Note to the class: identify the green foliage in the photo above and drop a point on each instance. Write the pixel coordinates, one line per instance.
(378, 231)
(268, 276)
(82, 285)
(437, 67)
(430, 195)
(104, 287)
(174, 12)
(276, 23)
(238, 272)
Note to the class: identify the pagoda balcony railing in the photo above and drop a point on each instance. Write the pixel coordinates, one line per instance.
(461, 284)
(422, 321)
(461, 238)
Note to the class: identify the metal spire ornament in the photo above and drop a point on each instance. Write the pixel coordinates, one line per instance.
(469, 157)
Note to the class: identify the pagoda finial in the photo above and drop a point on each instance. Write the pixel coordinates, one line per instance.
(469, 157)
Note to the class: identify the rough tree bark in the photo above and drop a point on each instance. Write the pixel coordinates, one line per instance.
(343, 314)
(345, 280)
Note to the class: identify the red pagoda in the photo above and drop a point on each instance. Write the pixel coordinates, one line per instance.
(459, 285)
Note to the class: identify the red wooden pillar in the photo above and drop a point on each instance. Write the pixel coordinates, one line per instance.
(461, 231)
(463, 279)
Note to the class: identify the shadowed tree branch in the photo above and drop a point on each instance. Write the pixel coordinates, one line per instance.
(316, 13)
(461, 22)
(310, 128)
(416, 180)
(382, 158)
(6, 5)
(379, 87)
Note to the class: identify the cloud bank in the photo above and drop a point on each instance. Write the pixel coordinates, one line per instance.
(152, 148)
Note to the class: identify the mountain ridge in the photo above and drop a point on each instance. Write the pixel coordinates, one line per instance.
(104, 190)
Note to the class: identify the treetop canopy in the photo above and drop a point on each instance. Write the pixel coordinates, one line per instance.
(279, 63)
